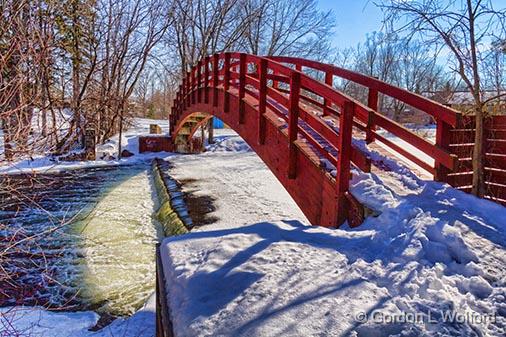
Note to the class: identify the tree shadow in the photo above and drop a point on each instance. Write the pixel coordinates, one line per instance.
(207, 285)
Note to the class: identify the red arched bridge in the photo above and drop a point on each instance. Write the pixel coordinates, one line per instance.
(306, 131)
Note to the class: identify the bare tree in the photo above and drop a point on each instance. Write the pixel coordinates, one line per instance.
(133, 29)
(465, 29)
(23, 57)
(396, 60)
(495, 68)
(265, 27)
(203, 27)
(286, 27)
(76, 27)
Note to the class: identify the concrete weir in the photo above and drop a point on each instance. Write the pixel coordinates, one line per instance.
(172, 212)
(175, 220)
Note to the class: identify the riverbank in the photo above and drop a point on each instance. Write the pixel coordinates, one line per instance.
(98, 219)
(108, 151)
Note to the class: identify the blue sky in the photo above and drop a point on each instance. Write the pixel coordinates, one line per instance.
(354, 19)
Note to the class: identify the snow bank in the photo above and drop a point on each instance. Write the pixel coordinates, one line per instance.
(37, 322)
(61, 124)
(429, 261)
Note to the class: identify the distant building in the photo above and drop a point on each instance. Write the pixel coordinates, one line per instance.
(463, 100)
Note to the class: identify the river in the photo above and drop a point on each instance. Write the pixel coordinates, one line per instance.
(78, 240)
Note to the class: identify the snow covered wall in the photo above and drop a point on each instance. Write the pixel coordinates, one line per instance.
(429, 261)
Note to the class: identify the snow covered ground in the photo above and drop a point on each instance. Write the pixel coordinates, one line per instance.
(109, 150)
(61, 124)
(241, 187)
(430, 261)
(37, 322)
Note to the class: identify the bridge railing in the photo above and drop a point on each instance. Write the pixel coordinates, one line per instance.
(243, 74)
(368, 118)
(250, 74)
(225, 69)
(281, 87)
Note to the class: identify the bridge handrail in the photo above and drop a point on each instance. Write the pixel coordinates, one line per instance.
(219, 69)
(372, 118)
(437, 110)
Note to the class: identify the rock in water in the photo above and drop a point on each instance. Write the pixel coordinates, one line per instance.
(126, 154)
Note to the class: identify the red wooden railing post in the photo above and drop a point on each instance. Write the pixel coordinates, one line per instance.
(172, 120)
(215, 79)
(199, 81)
(173, 113)
(372, 102)
(329, 78)
(186, 94)
(344, 156)
(188, 89)
(194, 84)
(180, 100)
(171, 117)
(183, 93)
(206, 80)
(275, 84)
(262, 100)
(226, 82)
(443, 135)
(242, 85)
(293, 123)
(190, 86)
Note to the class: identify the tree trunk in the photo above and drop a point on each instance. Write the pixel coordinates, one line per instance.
(120, 134)
(210, 128)
(44, 122)
(478, 154)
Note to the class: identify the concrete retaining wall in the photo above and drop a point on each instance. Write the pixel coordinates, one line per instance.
(172, 213)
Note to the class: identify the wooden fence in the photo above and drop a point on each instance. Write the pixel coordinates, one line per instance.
(460, 141)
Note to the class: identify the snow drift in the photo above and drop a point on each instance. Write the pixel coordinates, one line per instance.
(429, 261)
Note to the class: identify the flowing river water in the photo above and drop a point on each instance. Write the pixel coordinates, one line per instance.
(79, 240)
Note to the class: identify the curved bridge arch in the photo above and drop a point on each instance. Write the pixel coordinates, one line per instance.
(299, 126)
